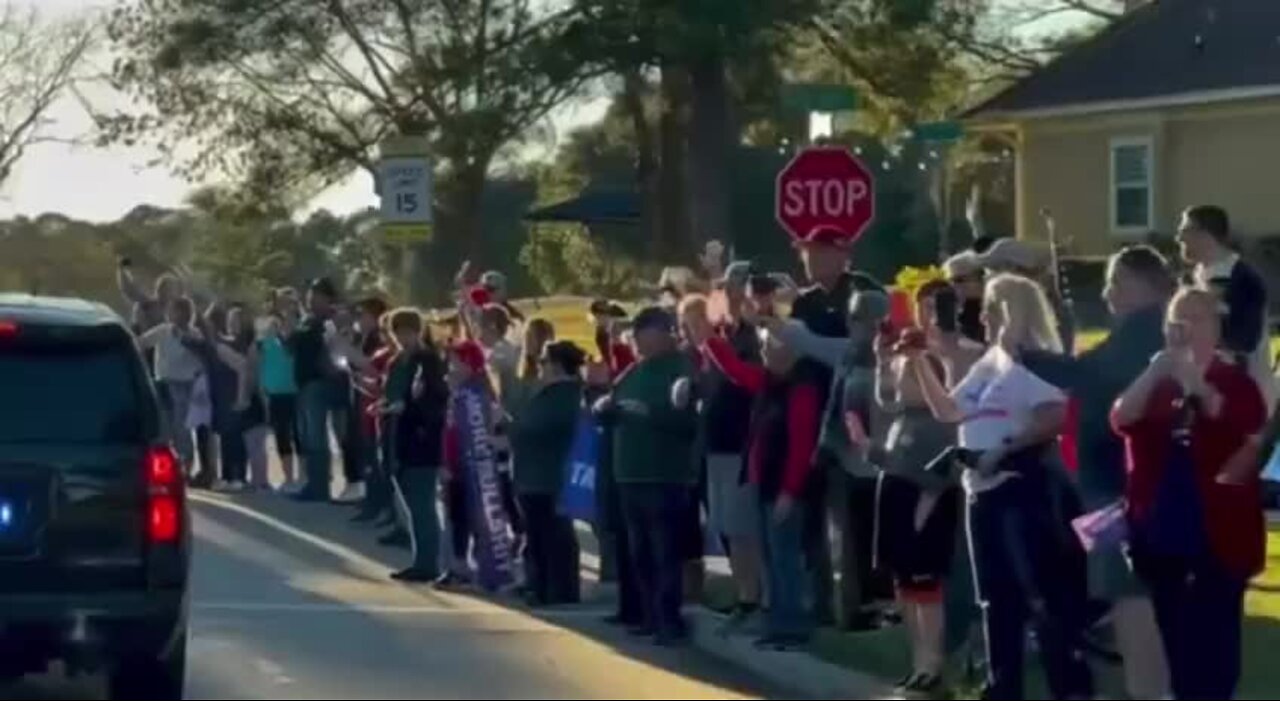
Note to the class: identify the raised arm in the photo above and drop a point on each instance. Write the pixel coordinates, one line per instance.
(151, 338)
(1131, 406)
(129, 287)
(749, 376)
(828, 351)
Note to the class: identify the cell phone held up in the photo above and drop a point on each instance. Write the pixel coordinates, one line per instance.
(946, 310)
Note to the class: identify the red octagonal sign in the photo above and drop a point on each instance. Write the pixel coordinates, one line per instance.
(825, 188)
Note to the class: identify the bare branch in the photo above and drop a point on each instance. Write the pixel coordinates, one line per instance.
(38, 63)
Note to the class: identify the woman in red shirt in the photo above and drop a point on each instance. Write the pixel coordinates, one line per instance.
(1198, 533)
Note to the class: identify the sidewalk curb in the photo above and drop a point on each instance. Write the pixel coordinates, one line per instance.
(799, 672)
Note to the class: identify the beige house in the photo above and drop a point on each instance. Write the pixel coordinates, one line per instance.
(1177, 103)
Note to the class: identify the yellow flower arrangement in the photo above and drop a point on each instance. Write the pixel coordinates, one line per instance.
(910, 279)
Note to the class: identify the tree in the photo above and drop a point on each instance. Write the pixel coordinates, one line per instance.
(38, 64)
(694, 44)
(904, 56)
(1017, 37)
(289, 96)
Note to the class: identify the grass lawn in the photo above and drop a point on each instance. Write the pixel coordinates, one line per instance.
(884, 653)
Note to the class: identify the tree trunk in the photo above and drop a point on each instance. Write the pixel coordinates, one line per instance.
(675, 241)
(458, 233)
(712, 140)
(634, 91)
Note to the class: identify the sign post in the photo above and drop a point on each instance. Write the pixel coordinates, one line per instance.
(825, 188)
(405, 186)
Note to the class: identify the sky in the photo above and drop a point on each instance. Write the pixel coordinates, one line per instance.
(102, 184)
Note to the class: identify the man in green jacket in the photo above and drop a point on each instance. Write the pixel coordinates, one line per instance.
(654, 433)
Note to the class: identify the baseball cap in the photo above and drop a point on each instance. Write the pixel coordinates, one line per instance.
(493, 280)
(1012, 253)
(654, 318)
(736, 274)
(962, 265)
(759, 284)
(604, 308)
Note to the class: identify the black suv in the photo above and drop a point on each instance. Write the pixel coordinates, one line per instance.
(95, 537)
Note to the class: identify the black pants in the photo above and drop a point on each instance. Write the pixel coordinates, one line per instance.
(511, 503)
(1200, 611)
(655, 515)
(1025, 568)
(456, 508)
(346, 419)
(282, 413)
(235, 455)
(551, 556)
(846, 504)
(204, 450)
(630, 599)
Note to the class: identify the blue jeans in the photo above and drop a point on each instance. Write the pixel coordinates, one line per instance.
(1022, 567)
(789, 579)
(314, 404)
(654, 515)
(416, 487)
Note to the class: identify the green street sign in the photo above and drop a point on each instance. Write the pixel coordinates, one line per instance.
(818, 97)
(938, 132)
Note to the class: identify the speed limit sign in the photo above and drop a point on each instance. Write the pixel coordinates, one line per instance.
(405, 186)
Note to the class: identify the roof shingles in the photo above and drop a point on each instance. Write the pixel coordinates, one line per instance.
(1165, 48)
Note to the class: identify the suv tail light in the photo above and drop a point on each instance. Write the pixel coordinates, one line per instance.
(164, 496)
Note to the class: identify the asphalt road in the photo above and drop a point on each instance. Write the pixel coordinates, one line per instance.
(289, 602)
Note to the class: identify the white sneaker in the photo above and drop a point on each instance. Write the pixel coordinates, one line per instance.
(235, 487)
(353, 494)
(291, 487)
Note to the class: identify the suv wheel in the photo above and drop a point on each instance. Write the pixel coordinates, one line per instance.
(148, 679)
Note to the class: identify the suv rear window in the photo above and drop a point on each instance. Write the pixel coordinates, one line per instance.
(73, 391)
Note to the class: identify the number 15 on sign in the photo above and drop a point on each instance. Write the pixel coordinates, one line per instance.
(406, 190)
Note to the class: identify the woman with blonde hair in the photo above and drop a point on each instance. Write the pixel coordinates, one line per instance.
(1024, 556)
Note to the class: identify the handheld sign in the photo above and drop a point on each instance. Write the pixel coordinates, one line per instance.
(825, 187)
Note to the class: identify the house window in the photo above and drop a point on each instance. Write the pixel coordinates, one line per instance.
(1132, 188)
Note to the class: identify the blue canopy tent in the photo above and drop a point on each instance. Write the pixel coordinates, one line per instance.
(591, 207)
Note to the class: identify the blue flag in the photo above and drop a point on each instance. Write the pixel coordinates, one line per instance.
(494, 545)
(578, 498)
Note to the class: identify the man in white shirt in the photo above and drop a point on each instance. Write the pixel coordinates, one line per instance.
(1204, 236)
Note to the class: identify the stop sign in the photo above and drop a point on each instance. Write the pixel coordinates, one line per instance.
(825, 187)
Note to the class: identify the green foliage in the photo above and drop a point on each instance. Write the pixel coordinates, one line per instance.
(573, 260)
(237, 258)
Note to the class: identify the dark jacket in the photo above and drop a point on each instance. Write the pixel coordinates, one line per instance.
(1095, 379)
(542, 436)
(655, 447)
(1245, 295)
(419, 433)
(727, 410)
(311, 361)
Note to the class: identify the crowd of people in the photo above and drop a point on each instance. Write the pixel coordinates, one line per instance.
(938, 456)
